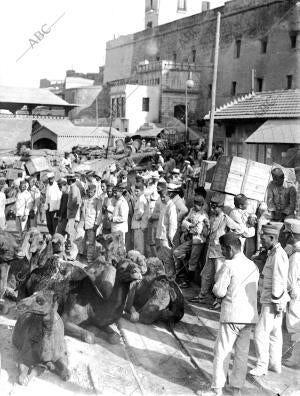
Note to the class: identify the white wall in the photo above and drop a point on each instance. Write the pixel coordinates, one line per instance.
(134, 98)
(168, 11)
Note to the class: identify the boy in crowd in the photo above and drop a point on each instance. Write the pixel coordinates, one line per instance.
(62, 213)
(139, 220)
(90, 217)
(196, 226)
(219, 224)
(22, 207)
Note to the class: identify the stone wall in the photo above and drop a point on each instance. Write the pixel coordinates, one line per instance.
(247, 20)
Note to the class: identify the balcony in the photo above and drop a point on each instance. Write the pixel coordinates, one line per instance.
(167, 65)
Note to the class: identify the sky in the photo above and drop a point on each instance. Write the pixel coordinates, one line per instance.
(74, 35)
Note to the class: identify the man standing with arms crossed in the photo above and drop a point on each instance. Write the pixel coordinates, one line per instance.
(268, 332)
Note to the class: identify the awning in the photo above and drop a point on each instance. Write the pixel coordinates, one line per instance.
(277, 131)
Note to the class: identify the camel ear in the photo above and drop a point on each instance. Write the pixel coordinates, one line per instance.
(55, 298)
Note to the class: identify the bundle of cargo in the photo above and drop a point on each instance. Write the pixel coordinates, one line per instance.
(235, 175)
(37, 164)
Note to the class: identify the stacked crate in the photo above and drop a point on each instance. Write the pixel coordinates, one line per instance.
(235, 175)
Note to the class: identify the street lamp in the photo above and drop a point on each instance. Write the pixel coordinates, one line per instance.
(188, 85)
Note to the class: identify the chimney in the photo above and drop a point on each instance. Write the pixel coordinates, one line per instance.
(205, 6)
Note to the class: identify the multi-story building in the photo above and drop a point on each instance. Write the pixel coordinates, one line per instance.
(259, 51)
(158, 12)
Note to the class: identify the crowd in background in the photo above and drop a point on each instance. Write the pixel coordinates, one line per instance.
(234, 256)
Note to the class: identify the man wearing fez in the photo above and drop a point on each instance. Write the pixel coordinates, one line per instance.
(237, 287)
(268, 332)
(281, 200)
(292, 227)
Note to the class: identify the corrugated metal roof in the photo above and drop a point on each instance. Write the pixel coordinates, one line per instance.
(64, 127)
(269, 104)
(36, 96)
(277, 131)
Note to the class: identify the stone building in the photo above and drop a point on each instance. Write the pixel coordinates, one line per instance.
(259, 51)
(158, 12)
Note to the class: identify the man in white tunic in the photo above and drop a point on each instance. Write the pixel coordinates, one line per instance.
(237, 286)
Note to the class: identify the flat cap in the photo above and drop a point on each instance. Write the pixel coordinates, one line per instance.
(71, 176)
(292, 225)
(272, 228)
(173, 187)
(277, 172)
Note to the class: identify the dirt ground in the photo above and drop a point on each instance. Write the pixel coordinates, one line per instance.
(148, 362)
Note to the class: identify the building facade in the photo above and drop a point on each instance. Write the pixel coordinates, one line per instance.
(158, 12)
(133, 105)
(259, 51)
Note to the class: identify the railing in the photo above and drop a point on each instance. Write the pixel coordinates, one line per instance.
(169, 65)
(123, 81)
(33, 116)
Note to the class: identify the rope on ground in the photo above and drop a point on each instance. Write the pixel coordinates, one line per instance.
(131, 365)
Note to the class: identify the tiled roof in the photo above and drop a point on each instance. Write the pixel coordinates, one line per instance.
(35, 96)
(277, 131)
(64, 127)
(268, 104)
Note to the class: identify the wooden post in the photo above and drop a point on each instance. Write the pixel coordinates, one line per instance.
(109, 133)
(214, 88)
(252, 80)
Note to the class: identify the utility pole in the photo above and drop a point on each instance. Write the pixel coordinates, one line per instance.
(214, 88)
(97, 110)
(109, 133)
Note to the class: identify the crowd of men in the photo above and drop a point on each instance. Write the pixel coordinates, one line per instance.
(234, 256)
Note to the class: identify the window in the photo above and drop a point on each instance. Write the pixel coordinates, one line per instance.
(264, 45)
(146, 104)
(174, 57)
(158, 58)
(209, 90)
(151, 5)
(238, 44)
(289, 81)
(113, 106)
(233, 88)
(259, 84)
(193, 55)
(149, 25)
(181, 5)
(293, 38)
(122, 107)
(230, 131)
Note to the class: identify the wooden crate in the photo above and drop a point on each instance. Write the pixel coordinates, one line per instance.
(256, 180)
(37, 164)
(229, 175)
(206, 172)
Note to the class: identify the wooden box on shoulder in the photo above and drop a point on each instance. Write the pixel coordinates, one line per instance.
(234, 175)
